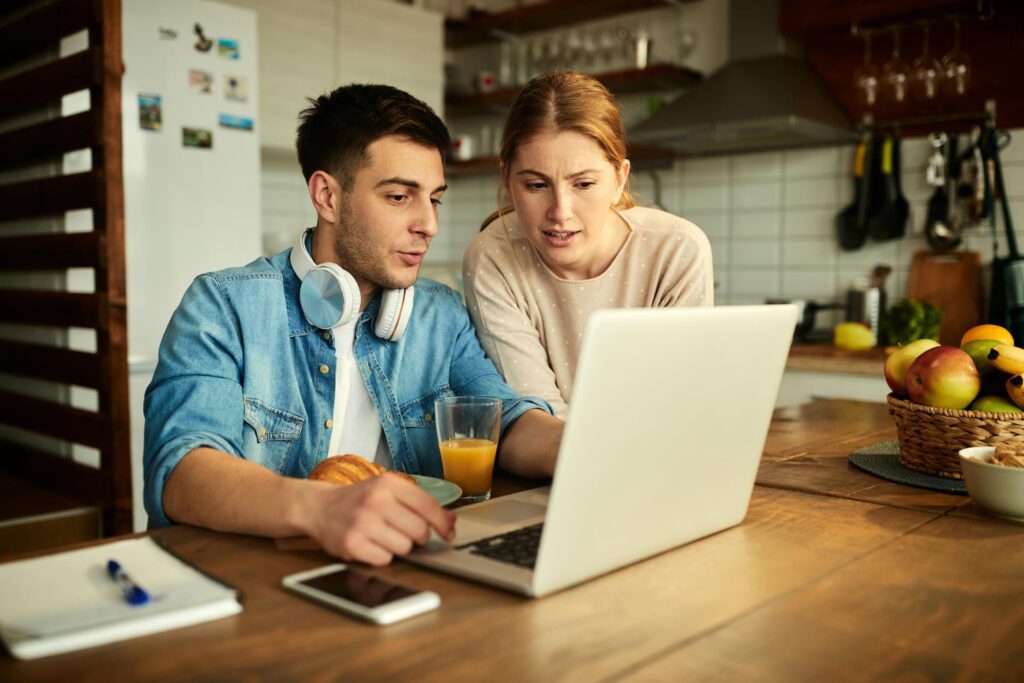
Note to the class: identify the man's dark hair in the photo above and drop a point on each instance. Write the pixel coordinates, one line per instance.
(337, 128)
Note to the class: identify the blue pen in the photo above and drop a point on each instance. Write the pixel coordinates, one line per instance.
(133, 593)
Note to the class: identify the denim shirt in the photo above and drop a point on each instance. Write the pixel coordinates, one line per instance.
(241, 371)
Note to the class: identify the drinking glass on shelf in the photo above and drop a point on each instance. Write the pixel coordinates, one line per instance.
(467, 434)
(956, 67)
(896, 72)
(865, 78)
(926, 71)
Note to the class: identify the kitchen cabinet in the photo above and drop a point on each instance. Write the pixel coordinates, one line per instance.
(823, 27)
(482, 27)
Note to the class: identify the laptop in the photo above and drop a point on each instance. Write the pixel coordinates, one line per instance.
(665, 430)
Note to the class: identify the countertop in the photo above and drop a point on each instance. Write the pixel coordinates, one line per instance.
(828, 358)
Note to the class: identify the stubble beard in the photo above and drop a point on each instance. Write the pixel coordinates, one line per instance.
(359, 255)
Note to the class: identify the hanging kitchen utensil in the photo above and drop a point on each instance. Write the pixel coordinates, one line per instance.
(942, 229)
(971, 188)
(850, 226)
(890, 222)
(1006, 304)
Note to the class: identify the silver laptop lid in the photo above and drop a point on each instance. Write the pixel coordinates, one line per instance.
(666, 426)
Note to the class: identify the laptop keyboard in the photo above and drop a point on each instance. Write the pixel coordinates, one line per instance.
(515, 547)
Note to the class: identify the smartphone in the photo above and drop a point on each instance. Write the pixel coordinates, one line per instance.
(364, 596)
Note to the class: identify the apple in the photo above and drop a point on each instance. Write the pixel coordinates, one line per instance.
(943, 377)
(898, 362)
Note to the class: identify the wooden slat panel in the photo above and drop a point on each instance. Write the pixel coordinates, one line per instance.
(52, 252)
(51, 472)
(60, 309)
(54, 420)
(45, 362)
(50, 22)
(50, 81)
(49, 139)
(112, 342)
(51, 196)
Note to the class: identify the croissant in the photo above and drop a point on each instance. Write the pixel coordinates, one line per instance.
(348, 469)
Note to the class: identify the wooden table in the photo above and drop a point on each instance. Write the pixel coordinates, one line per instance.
(834, 574)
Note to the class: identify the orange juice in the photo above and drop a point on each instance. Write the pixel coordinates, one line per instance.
(469, 463)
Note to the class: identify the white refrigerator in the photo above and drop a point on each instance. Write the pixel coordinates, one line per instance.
(191, 167)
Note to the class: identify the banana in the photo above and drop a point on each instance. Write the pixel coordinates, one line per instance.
(1015, 390)
(1007, 358)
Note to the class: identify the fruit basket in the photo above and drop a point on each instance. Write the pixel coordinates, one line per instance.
(930, 438)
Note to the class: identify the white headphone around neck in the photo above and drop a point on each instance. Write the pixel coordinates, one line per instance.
(329, 296)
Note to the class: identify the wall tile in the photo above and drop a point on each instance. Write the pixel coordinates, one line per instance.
(703, 197)
(707, 169)
(719, 254)
(756, 195)
(809, 223)
(815, 163)
(756, 282)
(715, 224)
(813, 283)
(812, 192)
(871, 254)
(763, 166)
(815, 253)
(756, 253)
(746, 224)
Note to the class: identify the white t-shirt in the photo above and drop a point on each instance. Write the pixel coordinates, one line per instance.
(357, 426)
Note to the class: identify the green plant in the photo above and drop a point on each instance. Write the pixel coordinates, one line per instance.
(909, 320)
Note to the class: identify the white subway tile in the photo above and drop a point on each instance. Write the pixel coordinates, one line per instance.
(914, 186)
(756, 224)
(756, 253)
(713, 223)
(720, 256)
(914, 154)
(815, 163)
(812, 192)
(809, 223)
(756, 282)
(871, 254)
(706, 169)
(1015, 151)
(1013, 179)
(815, 253)
(756, 195)
(762, 166)
(745, 300)
(702, 197)
(818, 284)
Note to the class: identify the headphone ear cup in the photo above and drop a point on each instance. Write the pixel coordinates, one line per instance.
(395, 312)
(329, 296)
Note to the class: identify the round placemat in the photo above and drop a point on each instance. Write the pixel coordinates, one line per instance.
(883, 460)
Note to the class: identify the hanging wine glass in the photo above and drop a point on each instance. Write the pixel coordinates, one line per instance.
(956, 67)
(865, 78)
(896, 72)
(926, 71)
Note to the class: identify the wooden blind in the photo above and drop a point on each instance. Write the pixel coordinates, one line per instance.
(35, 135)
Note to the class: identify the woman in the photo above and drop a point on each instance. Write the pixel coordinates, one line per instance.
(569, 239)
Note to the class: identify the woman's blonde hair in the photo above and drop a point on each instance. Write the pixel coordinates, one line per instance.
(557, 102)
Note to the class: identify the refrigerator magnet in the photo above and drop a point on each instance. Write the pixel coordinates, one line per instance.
(202, 44)
(236, 88)
(196, 137)
(236, 122)
(200, 81)
(150, 112)
(227, 47)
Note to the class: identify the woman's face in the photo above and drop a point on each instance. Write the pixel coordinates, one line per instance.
(563, 189)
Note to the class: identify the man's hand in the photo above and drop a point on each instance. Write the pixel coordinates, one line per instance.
(371, 521)
(374, 520)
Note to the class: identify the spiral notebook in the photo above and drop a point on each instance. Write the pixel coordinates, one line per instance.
(67, 601)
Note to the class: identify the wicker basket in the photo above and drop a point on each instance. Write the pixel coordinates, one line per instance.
(930, 438)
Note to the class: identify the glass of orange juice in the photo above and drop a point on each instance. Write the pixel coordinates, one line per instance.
(467, 433)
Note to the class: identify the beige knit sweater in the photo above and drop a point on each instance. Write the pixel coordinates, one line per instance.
(530, 321)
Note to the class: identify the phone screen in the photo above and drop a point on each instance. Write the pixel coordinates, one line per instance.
(361, 589)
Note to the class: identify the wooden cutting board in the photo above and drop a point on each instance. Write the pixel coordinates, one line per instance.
(953, 281)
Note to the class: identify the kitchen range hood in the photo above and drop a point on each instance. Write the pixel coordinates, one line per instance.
(766, 97)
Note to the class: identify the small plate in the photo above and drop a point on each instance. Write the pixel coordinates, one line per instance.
(443, 491)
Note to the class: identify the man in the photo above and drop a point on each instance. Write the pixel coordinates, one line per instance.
(249, 395)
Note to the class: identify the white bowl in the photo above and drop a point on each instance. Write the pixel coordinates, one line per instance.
(998, 489)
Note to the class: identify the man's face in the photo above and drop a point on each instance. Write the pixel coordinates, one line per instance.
(389, 217)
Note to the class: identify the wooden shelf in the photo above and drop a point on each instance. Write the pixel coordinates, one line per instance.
(654, 77)
(483, 27)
